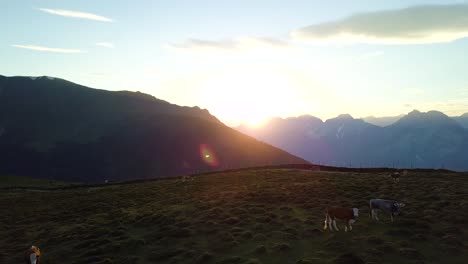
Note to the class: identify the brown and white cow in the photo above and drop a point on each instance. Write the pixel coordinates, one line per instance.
(349, 215)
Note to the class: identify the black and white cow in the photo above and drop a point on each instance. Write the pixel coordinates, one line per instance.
(391, 207)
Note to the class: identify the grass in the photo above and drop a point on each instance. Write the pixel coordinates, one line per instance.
(252, 216)
(8, 181)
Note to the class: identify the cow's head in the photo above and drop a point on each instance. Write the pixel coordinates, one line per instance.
(36, 250)
(396, 208)
(356, 212)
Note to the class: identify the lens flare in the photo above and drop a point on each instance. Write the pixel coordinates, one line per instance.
(208, 156)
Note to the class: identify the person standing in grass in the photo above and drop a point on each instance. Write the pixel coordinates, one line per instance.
(32, 255)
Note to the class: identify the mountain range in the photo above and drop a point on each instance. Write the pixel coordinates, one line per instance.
(56, 129)
(415, 140)
(388, 120)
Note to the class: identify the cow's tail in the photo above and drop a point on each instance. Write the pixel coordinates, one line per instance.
(370, 209)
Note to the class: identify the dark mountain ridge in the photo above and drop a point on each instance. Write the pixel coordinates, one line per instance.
(57, 129)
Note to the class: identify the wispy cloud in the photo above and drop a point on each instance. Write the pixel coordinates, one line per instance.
(75, 14)
(230, 44)
(105, 44)
(413, 91)
(413, 25)
(47, 49)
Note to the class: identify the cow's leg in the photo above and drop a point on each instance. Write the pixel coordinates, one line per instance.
(346, 228)
(350, 223)
(391, 217)
(376, 215)
(330, 223)
(334, 225)
(325, 224)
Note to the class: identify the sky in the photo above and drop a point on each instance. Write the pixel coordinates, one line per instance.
(247, 61)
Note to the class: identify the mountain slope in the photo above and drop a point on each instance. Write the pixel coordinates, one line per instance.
(429, 139)
(462, 120)
(280, 132)
(65, 131)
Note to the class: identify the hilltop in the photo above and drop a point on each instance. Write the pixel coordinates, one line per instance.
(266, 215)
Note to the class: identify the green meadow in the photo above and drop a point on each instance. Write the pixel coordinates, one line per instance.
(252, 216)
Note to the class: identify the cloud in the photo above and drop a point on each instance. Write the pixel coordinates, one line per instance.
(75, 14)
(231, 44)
(48, 49)
(413, 91)
(105, 44)
(412, 25)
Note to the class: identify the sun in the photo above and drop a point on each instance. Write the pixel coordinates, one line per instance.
(248, 95)
(254, 122)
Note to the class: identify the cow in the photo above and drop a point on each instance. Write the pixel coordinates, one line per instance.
(389, 206)
(396, 175)
(349, 215)
(187, 178)
(32, 255)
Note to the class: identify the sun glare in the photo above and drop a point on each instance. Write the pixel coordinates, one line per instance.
(248, 96)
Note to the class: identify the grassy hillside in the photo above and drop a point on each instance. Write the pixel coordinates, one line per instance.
(256, 216)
